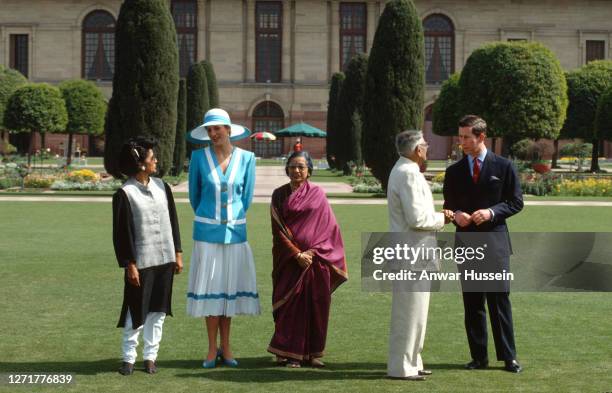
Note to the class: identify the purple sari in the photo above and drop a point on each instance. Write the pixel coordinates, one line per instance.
(301, 298)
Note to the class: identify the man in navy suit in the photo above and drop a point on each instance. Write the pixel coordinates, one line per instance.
(483, 190)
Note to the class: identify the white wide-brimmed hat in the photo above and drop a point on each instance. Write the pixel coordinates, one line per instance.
(216, 117)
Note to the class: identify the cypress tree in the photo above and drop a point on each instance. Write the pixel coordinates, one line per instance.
(145, 83)
(198, 101)
(350, 106)
(211, 80)
(332, 109)
(181, 129)
(395, 85)
(356, 138)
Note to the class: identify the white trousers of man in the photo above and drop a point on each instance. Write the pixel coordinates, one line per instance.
(408, 324)
(152, 334)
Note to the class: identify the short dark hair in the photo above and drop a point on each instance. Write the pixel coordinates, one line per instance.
(133, 153)
(303, 154)
(479, 126)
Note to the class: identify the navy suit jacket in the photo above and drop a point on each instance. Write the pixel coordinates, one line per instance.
(498, 189)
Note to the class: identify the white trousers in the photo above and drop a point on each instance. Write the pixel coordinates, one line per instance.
(408, 324)
(152, 334)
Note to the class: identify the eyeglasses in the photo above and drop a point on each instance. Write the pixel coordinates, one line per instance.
(298, 167)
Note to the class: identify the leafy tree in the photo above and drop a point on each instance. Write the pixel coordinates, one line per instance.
(603, 118)
(86, 108)
(585, 87)
(10, 80)
(36, 107)
(518, 88)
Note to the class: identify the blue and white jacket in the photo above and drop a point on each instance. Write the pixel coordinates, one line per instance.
(220, 201)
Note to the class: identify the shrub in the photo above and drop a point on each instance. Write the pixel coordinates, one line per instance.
(439, 178)
(576, 150)
(82, 175)
(38, 181)
(63, 185)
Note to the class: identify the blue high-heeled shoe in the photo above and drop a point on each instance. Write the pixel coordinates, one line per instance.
(209, 363)
(227, 362)
(230, 362)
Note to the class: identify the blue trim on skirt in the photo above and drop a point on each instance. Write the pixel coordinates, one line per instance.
(222, 295)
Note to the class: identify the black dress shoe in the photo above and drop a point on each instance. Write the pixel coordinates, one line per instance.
(513, 366)
(477, 364)
(126, 368)
(425, 372)
(150, 367)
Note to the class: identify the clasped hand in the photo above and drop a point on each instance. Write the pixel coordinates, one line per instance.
(449, 216)
(304, 259)
(478, 217)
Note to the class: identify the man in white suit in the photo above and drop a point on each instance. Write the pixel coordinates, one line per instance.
(412, 211)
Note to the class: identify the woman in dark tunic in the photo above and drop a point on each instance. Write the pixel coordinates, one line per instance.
(148, 246)
(308, 265)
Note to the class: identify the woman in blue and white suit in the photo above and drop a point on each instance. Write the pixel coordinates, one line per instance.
(222, 279)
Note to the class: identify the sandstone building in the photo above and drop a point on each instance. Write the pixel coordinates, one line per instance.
(274, 59)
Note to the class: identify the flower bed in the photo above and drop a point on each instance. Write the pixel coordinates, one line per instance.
(584, 187)
(565, 185)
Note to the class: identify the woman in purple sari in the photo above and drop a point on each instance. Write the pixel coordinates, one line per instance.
(309, 264)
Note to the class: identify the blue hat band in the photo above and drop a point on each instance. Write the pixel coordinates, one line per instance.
(216, 118)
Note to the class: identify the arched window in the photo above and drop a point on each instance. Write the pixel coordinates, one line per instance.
(99, 46)
(269, 117)
(439, 48)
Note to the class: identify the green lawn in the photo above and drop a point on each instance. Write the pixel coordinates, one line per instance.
(326, 175)
(269, 162)
(62, 293)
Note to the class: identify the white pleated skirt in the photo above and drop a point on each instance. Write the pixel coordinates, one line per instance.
(222, 280)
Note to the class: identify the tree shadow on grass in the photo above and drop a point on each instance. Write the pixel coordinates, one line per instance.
(251, 369)
(85, 367)
(263, 369)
